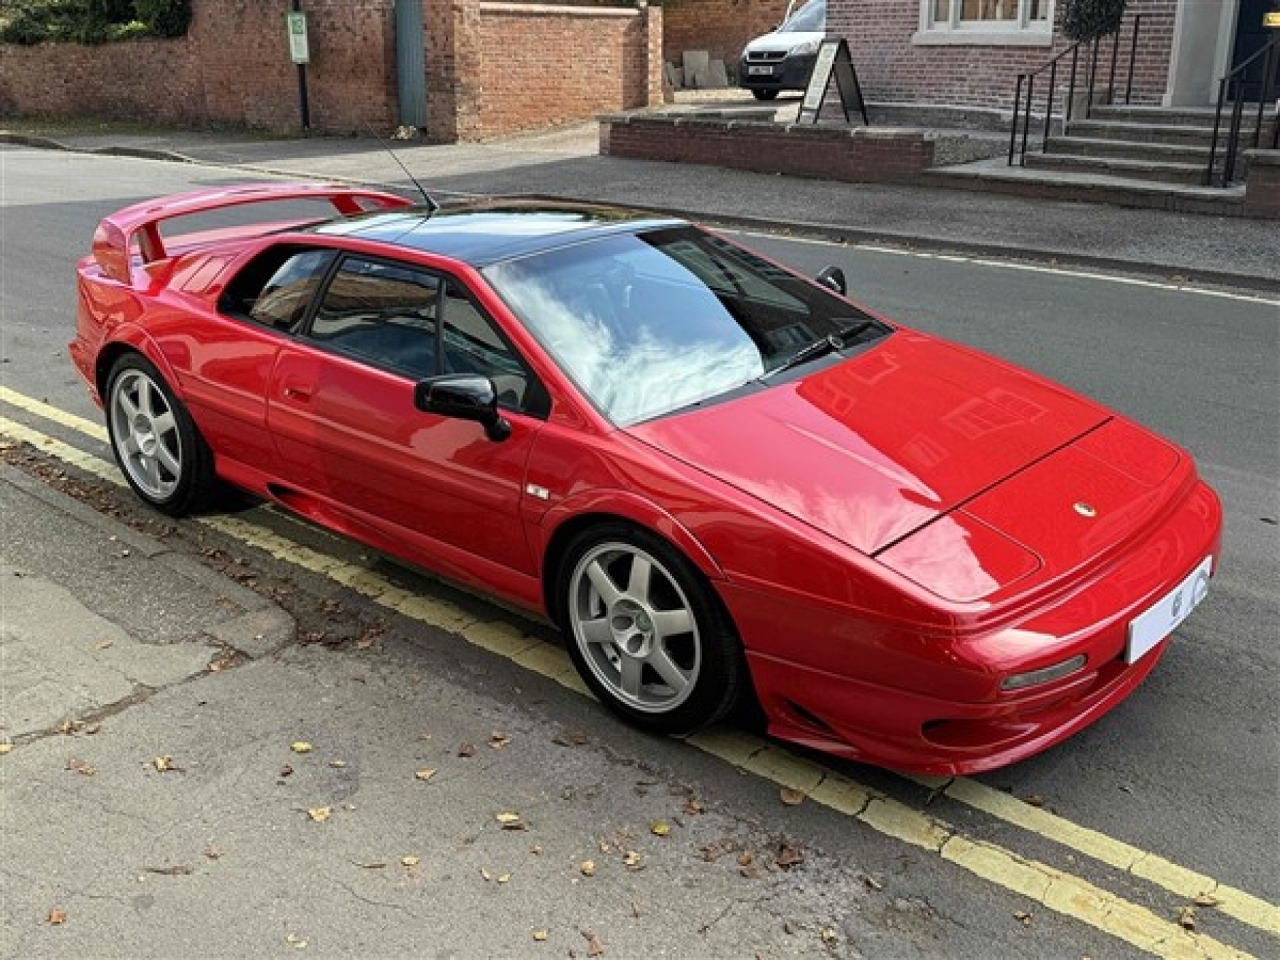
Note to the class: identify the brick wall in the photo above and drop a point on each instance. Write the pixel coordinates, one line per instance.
(721, 27)
(855, 155)
(493, 68)
(539, 65)
(891, 68)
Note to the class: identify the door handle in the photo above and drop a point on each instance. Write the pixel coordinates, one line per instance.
(297, 393)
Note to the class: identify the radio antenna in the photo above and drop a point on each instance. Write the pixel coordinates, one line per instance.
(430, 202)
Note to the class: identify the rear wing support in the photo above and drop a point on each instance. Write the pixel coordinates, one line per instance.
(114, 239)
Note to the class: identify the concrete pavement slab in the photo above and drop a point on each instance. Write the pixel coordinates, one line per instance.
(93, 613)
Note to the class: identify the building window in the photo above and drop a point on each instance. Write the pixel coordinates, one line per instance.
(1020, 22)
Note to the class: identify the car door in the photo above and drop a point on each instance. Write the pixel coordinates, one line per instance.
(345, 424)
(227, 358)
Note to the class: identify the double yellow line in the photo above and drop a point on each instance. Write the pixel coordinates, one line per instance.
(1054, 889)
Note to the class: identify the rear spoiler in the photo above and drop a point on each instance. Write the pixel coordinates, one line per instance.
(115, 236)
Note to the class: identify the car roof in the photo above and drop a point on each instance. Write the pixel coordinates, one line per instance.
(481, 232)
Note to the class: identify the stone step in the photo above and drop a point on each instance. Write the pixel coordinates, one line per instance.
(1157, 116)
(1190, 174)
(994, 176)
(1200, 136)
(1131, 150)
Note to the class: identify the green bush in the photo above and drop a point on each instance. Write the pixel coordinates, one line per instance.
(91, 21)
(1090, 19)
(166, 18)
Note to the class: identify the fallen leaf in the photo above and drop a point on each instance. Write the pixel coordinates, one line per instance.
(788, 928)
(57, 916)
(694, 806)
(1023, 917)
(791, 798)
(320, 814)
(295, 941)
(504, 877)
(540, 935)
(426, 773)
(872, 882)
(714, 851)
(177, 870)
(103, 644)
(745, 858)
(571, 738)
(660, 828)
(337, 764)
(633, 860)
(788, 857)
(410, 860)
(286, 771)
(300, 746)
(374, 865)
(829, 935)
(507, 817)
(1034, 799)
(635, 909)
(212, 852)
(1187, 917)
(594, 947)
(92, 728)
(467, 750)
(82, 767)
(5, 748)
(498, 740)
(486, 874)
(1207, 900)
(163, 764)
(588, 868)
(749, 873)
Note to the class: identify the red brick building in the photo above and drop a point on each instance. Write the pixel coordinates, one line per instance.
(969, 52)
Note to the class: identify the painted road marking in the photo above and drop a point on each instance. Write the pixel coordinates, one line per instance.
(1056, 890)
(1007, 265)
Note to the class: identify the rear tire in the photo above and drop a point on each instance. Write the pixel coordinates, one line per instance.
(155, 442)
(646, 630)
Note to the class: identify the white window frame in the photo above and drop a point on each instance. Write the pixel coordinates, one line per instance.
(1021, 31)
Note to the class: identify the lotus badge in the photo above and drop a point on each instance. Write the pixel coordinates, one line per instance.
(1085, 509)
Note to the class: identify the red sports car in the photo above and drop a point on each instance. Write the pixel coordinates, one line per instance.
(720, 479)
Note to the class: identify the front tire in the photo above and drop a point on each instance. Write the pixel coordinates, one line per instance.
(646, 631)
(155, 442)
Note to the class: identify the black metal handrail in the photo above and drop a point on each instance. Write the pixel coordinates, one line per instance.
(1232, 88)
(1022, 110)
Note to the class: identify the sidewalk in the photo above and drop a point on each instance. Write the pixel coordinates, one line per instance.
(565, 164)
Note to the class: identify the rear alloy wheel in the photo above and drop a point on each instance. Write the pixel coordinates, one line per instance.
(646, 631)
(155, 442)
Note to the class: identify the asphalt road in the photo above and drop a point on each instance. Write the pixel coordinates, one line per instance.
(1186, 769)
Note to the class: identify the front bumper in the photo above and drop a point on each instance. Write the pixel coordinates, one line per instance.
(790, 73)
(933, 704)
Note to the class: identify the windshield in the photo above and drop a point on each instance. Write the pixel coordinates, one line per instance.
(811, 18)
(648, 323)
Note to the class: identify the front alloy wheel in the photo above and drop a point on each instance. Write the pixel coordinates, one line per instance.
(646, 632)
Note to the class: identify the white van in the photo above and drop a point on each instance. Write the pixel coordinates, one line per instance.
(783, 59)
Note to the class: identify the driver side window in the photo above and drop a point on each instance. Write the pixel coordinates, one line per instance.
(381, 312)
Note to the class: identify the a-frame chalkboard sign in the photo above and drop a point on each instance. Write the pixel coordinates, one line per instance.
(833, 58)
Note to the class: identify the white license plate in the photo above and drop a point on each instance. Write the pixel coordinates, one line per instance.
(1149, 628)
(759, 71)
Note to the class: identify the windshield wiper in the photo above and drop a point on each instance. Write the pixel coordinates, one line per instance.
(820, 348)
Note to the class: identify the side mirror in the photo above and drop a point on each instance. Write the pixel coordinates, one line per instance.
(833, 277)
(463, 396)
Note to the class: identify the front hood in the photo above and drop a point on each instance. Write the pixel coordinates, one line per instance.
(870, 449)
(781, 42)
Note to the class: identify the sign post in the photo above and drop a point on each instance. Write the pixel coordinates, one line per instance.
(300, 54)
(833, 58)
